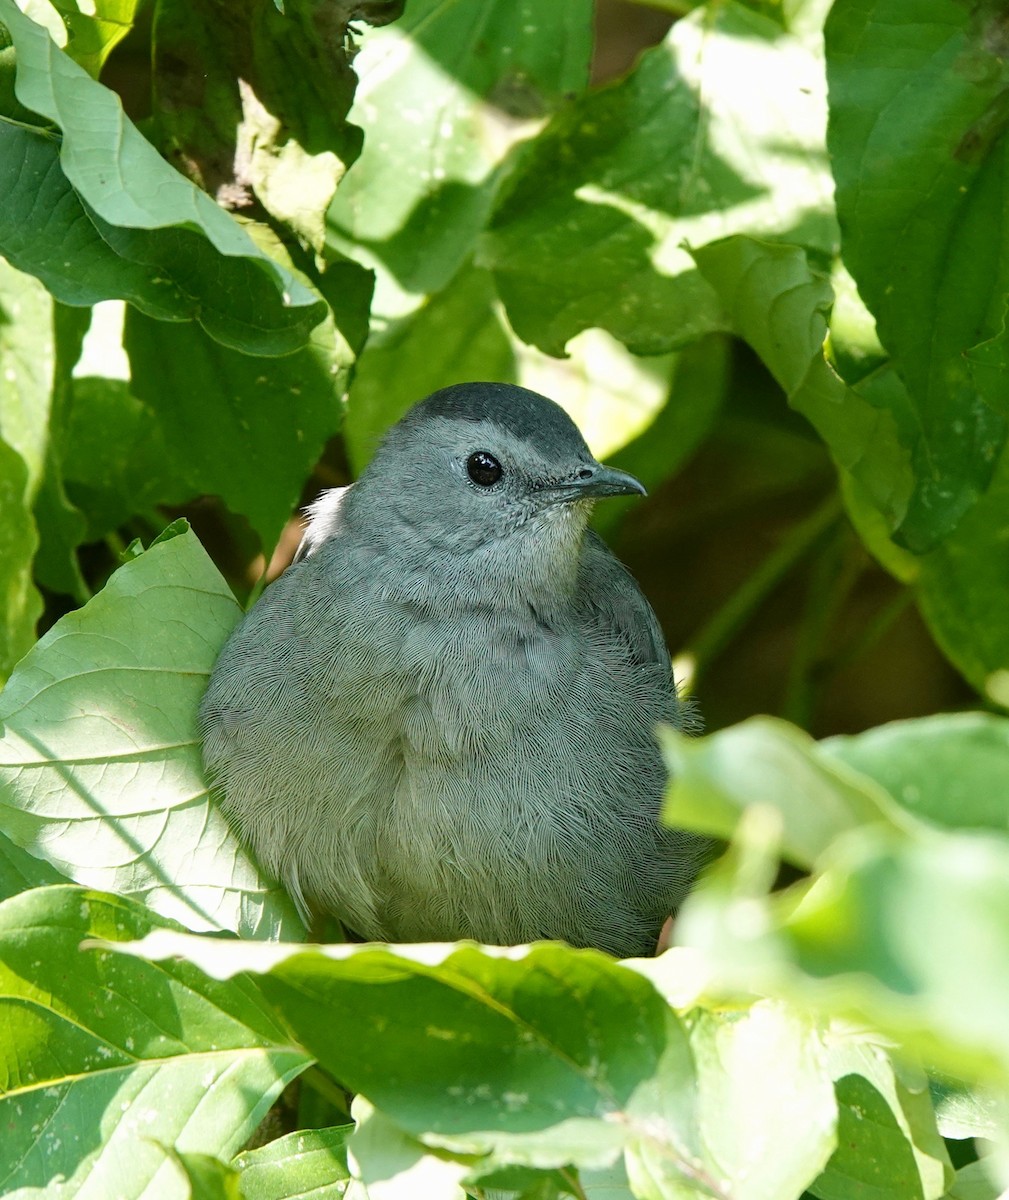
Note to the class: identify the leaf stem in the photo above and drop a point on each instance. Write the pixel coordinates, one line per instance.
(741, 605)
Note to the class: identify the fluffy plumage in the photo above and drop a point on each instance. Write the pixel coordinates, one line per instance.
(438, 723)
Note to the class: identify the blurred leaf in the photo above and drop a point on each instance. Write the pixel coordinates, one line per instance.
(918, 146)
(778, 305)
(768, 762)
(763, 1084)
(909, 935)
(444, 92)
(951, 769)
(685, 150)
(100, 771)
(26, 381)
(308, 1163)
(102, 1056)
(97, 213)
(95, 28)
(963, 1111)
(230, 423)
(973, 1182)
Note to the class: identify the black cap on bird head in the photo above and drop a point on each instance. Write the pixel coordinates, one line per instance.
(524, 414)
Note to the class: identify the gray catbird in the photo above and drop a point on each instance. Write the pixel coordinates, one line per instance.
(439, 722)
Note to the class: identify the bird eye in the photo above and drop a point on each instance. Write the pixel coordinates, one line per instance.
(483, 468)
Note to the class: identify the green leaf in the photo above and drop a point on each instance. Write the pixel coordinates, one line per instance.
(97, 213)
(455, 335)
(538, 1055)
(888, 1146)
(444, 92)
(20, 870)
(764, 761)
(95, 28)
(917, 140)
(103, 1056)
(951, 769)
(763, 1083)
(255, 105)
(541, 1058)
(26, 381)
(779, 306)
(229, 425)
(961, 590)
(100, 771)
(309, 1163)
(909, 935)
(685, 150)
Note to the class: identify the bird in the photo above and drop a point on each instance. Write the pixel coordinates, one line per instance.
(439, 722)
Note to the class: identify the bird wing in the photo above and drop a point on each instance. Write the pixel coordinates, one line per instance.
(323, 522)
(612, 594)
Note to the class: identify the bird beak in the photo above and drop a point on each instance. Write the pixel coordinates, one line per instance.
(595, 480)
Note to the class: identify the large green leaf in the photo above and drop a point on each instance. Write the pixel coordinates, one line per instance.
(103, 1057)
(540, 1058)
(95, 212)
(253, 102)
(715, 779)
(230, 424)
(908, 935)
(918, 145)
(100, 771)
(26, 381)
(444, 92)
(777, 304)
(686, 150)
(952, 769)
(961, 588)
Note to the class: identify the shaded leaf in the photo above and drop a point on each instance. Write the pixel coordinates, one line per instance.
(444, 92)
(105, 1056)
(252, 104)
(685, 150)
(232, 425)
(100, 771)
(777, 304)
(97, 213)
(918, 145)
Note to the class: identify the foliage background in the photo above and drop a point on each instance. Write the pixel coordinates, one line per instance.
(235, 247)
